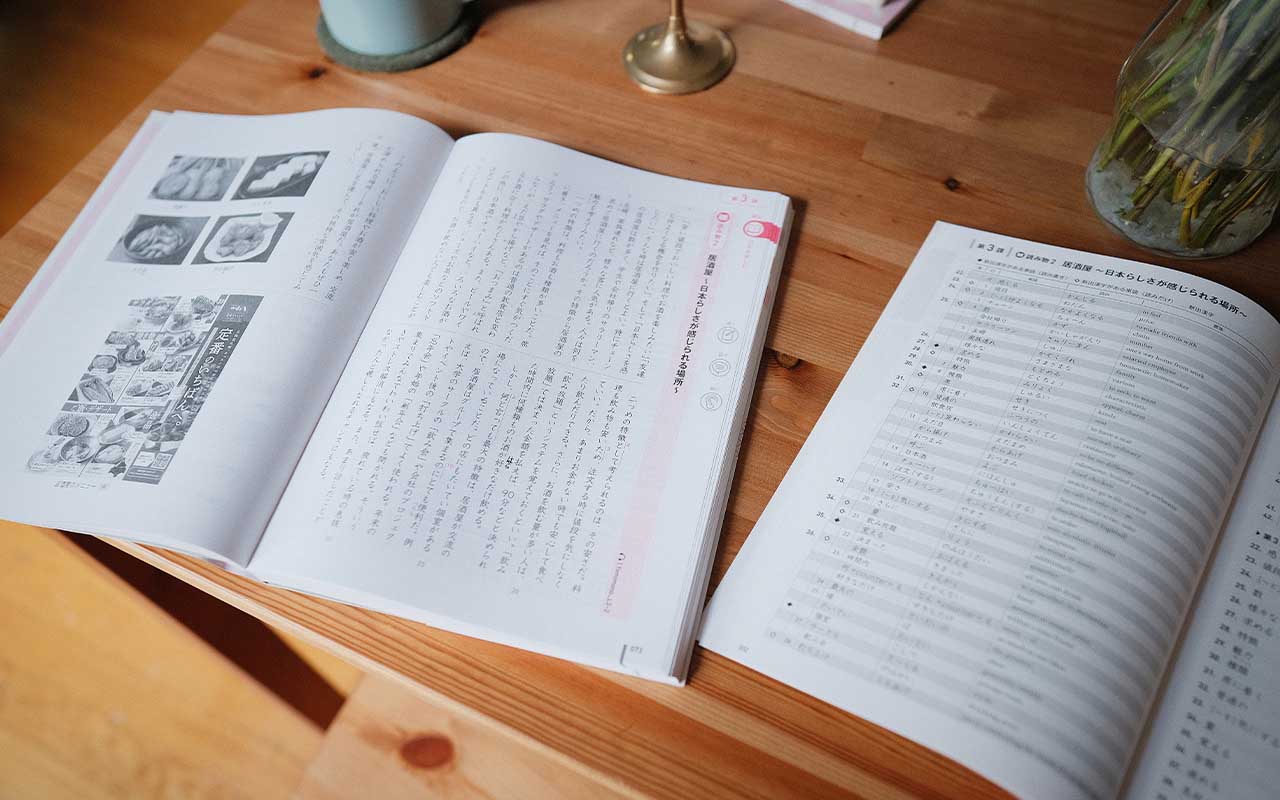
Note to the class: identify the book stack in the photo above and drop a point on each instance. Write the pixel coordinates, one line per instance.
(872, 18)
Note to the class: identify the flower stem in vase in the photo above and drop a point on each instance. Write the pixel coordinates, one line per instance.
(1189, 165)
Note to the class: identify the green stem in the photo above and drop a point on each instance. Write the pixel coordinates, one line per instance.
(1243, 196)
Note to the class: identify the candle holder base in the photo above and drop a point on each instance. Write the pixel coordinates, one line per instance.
(678, 57)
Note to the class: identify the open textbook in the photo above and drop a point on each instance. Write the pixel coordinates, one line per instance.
(493, 384)
(1036, 528)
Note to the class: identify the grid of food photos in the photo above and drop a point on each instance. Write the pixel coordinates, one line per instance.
(170, 240)
(140, 392)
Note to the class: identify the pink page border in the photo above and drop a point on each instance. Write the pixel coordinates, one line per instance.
(641, 519)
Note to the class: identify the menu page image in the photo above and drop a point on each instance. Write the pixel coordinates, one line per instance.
(991, 539)
(129, 412)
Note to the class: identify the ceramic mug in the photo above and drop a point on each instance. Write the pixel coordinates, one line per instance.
(389, 27)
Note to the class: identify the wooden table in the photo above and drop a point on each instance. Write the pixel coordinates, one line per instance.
(979, 112)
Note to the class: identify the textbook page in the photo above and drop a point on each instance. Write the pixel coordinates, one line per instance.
(168, 362)
(529, 442)
(990, 540)
(1216, 731)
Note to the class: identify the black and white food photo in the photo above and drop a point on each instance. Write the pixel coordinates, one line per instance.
(243, 238)
(197, 178)
(157, 240)
(286, 175)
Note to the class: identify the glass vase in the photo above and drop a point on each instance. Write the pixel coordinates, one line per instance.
(1189, 165)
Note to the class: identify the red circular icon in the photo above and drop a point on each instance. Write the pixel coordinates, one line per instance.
(760, 229)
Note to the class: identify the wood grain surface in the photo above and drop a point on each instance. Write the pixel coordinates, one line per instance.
(391, 743)
(70, 71)
(103, 695)
(978, 112)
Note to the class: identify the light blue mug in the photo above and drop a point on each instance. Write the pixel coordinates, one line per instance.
(389, 27)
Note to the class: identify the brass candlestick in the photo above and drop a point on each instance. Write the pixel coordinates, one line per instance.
(677, 56)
